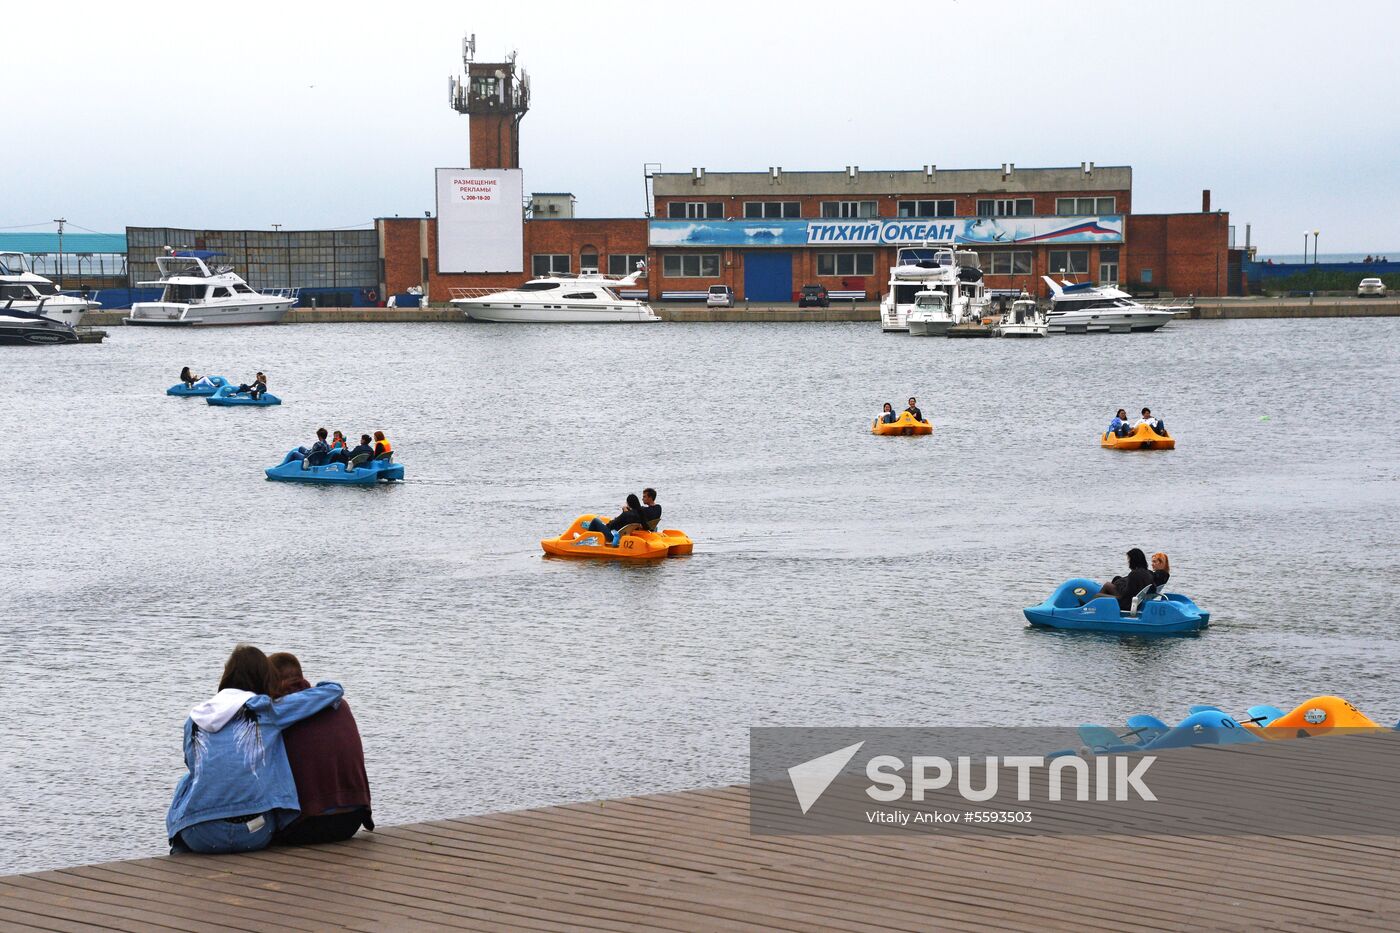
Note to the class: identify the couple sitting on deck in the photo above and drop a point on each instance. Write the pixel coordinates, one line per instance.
(646, 514)
(338, 450)
(888, 416)
(271, 759)
(1120, 426)
(1138, 578)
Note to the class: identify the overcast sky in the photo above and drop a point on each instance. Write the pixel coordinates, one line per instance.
(313, 114)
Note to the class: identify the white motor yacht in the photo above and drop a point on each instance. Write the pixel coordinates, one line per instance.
(1023, 319)
(933, 267)
(587, 298)
(1085, 308)
(23, 289)
(929, 317)
(195, 295)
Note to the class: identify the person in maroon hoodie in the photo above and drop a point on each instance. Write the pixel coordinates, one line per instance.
(328, 764)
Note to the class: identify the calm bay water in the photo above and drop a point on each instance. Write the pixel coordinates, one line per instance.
(838, 578)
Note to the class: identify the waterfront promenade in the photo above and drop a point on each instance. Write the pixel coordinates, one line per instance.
(1205, 309)
(687, 861)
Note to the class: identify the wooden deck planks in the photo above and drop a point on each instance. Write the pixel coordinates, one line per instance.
(685, 862)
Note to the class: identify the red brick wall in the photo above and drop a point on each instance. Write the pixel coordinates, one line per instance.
(572, 236)
(399, 241)
(1187, 253)
(493, 141)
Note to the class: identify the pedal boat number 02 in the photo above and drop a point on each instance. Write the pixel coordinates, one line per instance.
(905, 425)
(1142, 438)
(638, 544)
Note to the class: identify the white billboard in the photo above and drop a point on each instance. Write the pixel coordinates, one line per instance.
(481, 220)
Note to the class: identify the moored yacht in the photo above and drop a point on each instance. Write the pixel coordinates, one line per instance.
(195, 295)
(929, 317)
(933, 267)
(1085, 308)
(1023, 319)
(20, 327)
(586, 298)
(23, 289)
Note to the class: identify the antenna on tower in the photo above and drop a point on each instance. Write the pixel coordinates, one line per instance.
(469, 49)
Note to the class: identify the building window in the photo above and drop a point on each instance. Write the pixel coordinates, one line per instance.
(691, 266)
(695, 210)
(1084, 207)
(1006, 207)
(588, 258)
(1069, 261)
(848, 209)
(549, 263)
(772, 209)
(620, 265)
(1108, 265)
(926, 208)
(845, 263)
(1006, 262)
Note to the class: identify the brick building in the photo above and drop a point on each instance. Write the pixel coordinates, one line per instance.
(766, 234)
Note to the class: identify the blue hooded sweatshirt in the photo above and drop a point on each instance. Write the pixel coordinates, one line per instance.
(237, 763)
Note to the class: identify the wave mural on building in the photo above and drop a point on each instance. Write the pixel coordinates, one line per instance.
(1106, 228)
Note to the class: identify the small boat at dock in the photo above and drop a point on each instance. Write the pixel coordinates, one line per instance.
(1023, 319)
(20, 328)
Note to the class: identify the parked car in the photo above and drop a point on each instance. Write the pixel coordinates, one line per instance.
(720, 296)
(1370, 288)
(814, 296)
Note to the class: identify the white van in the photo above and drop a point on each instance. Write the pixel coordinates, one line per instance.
(720, 296)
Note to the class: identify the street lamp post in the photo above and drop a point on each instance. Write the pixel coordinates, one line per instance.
(1305, 247)
(60, 221)
(1315, 233)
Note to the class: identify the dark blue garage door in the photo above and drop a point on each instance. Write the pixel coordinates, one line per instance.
(767, 276)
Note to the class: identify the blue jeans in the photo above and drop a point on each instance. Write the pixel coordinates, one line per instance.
(216, 837)
(597, 524)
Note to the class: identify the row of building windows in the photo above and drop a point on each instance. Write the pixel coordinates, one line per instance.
(707, 265)
(181, 238)
(859, 210)
(619, 264)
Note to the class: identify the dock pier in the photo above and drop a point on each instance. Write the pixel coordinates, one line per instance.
(687, 861)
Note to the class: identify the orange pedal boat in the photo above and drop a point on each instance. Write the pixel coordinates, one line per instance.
(638, 544)
(1318, 716)
(904, 425)
(1142, 438)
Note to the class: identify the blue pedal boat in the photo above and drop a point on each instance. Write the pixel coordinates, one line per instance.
(204, 387)
(1072, 607)
(230, 396)
(366, 474)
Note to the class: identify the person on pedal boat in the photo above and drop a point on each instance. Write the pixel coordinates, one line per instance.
(631, 515)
